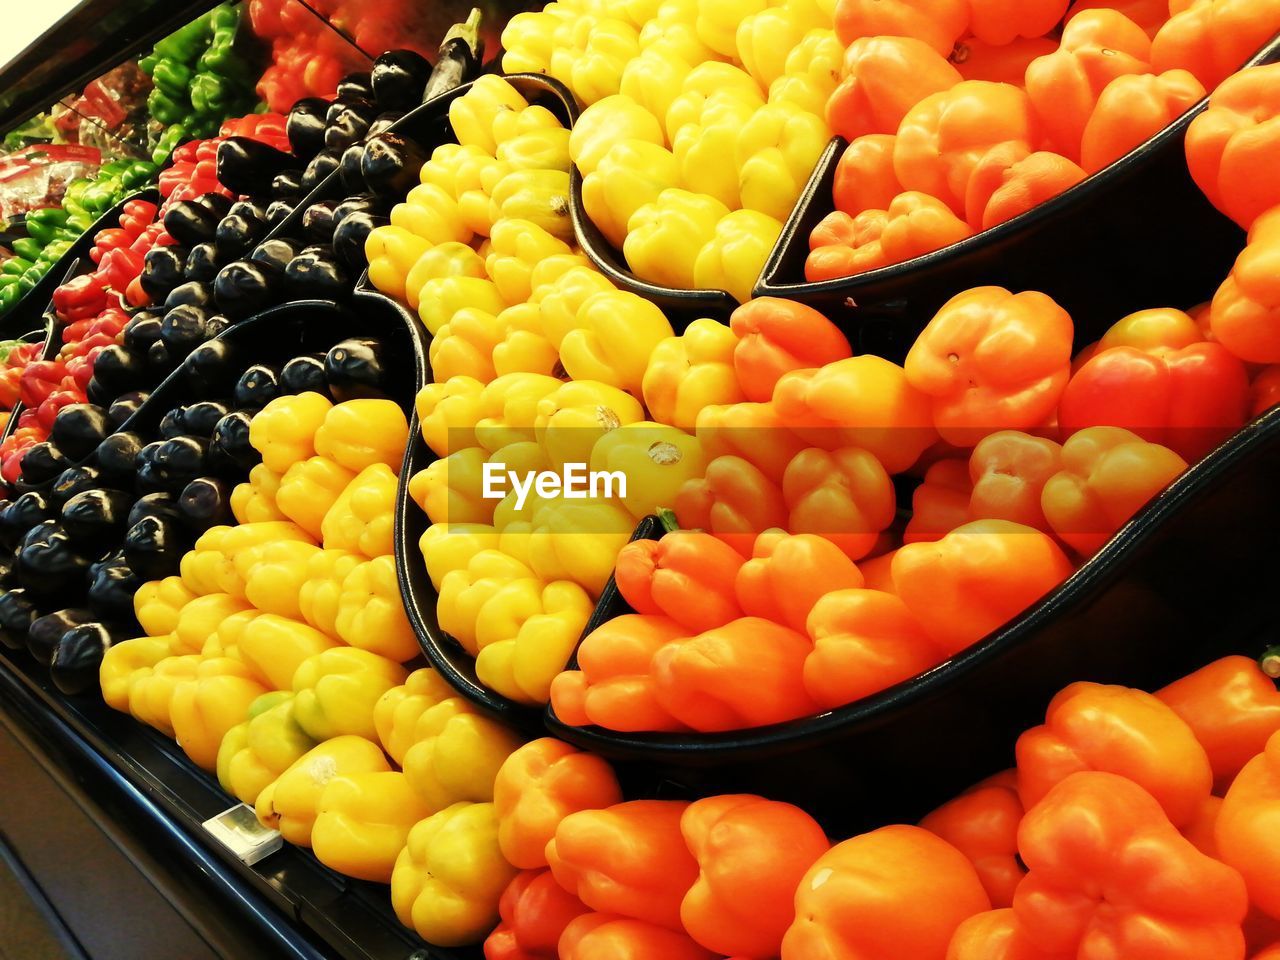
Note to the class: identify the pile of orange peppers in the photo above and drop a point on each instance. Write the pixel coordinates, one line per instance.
(962, 114)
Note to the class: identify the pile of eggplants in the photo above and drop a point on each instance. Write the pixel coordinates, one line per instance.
(104, 512)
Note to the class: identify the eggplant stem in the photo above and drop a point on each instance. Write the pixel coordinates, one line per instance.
(1269, 662)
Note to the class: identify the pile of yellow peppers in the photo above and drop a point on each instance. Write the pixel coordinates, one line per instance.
(704, 120)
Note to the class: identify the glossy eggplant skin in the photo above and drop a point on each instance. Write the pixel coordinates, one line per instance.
(78, 654)
(163, 268)
(125, 406)
(119, 370)
(315, 274)
(355, 85)
(112, 584)
(278, 212)
(117, 455)
(399, 78)
(23, 512)
(248, 166)
(48, 563)
(246, 287)
(257, 387)
(190, 222)
(96, 517)
(193, 292)
(318, 221)
(17, 612)
(305, 374)
(347, 122)
(305, 126)
(162, 505)
(230, 453)
(277, 252)
(153, 547)
(71, 481)
(183, 329)
(209, 368)
(203, 262)
(79, 428)
(142, 330)
(43, 462)
(239, 230)
(349, 169)
(321, 165)
(45, 632)
(350, 235)
(355, 369)
(390, 164)
(205, 502)
(287, 185)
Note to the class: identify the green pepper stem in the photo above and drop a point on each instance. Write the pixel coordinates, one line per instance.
(667, 517)
(468, 31)
(1270, 662)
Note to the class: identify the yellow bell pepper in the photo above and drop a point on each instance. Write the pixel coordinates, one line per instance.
(310, 488)
(151, 690)
(539, 196)
(159, 603)
(204, 708)
(605, 44)
(478, 180)
(718, 22)
(337, 688)
(631, 174)
(451, 490)
(225, 641)
(543, 147)
(775, 154)
(274, 573)
(664, 237)
(456, 753)
(527, 633)
(363, 821)
(276, 647)
(654, 78)
(508, 408)
(448, 259)
(395, 715)
(442, 297)
(608, 122)
(361, 520)
(450, 546)
(517, 247)
(321, 595)
(690, 372)
(254, 501)
(290, 803)
(528, 39)
(733, 258)
(210, 567)
(256, 751)
(710, 93)
(657, 461)
(449, 878)
(359, 433)
(464, 346)
(200, 618)
(465, 591)
(371, 615)
(548, 271)
(284, 430)
(764, 39)
(578, 540)
(472, 114)
(125, 662)
(573, 417)
(673, 35)
(446, 164)
(392, 249)
(523, 348)
(811, 73)
(560, 300)
(510, 125)
(616, 333)
(448, 412)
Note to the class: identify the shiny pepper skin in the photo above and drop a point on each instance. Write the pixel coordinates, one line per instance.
(1243, 832)
(1246, 305)
(256, 751)
(776, 336)
(455, 753)
(362, 822)
(982, 823)
(535, 911)
(360, 520)
(336, 689)
(938, 23)
(690, 372)
(370, 614)
(284, 430)
(882, 79)
(1132, 109)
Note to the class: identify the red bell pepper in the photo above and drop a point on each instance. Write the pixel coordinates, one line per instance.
(84, 296)
(137, 215)
(40, 379)
(119, 267)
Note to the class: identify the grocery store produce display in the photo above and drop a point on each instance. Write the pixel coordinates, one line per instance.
(277, 483)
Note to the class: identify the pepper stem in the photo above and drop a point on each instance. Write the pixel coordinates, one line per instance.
(468, 31)
(1270, 662)
(667, 517)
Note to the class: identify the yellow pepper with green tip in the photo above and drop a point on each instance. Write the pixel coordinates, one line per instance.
(665, 237)
(572, 418)
(256, 751)
(361, 520)
(395, 715)
(284, 430)
(578, 540)
(517, 246)
(606, 123)
(450, 546)
(539, 196)
(392, 249)
(455, 753)
(442, 297)
(337, 688)
(309, 489)
(204, 708)
(472, 114)
(811, 72)
(448, 413)
(449, 878)
(690, 372)
(359, 433)
(733, 258)
(527, 633)
(616, 332)
(124, 663)
(362, 823)
(290, 803)
(254, 501)
(274, 573)
(199, 620)
(657, 461)
(561, 299)
(276, 647)
(776, 152)
(321, 594)
(151, 690)
(631, 174)
(448, 259)
(451, 490)
(371, 615)
(508, 408)
(159, 603)
(465, 591)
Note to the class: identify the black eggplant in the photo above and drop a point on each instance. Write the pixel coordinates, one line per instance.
(142, 330)
(71, 481)
(287, 185)
(257, 387)
(77, 657)
(158, 360)
(45, 632)
(219, 204)
(230, 453)
(246, 287)
(22, 513)
(184, 329)
(398, 78)
(353, 85)
(305, 374)
(390, 164)
(239, 231)
(200, 418)
(181, 459)
(355, 369)
(278, 212)
(43, 462)
(205, 502)
(171, 424)
(153, 547)
(163, 268)
(116, 457)
(78, 428)
(349, 169)
(349, 238)
(305, 126)
(192, 292)
(208, 368)
(315, 274)
(190, 222)
(249, 166)
(8, 571)
(382, 123)
(318, 222)
(112, 584)
(459, 58)
(277, 252)
(48, 563)
(215, 325)
(94, 516)
(125, 406)
(159, 504)
(17, 613)
(204, 261)
(119, 370)
(362, 203)
(347, 122)
(321, 165)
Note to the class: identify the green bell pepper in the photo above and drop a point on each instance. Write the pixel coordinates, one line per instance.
(211, 94)
(7, 278)
(43, 224)
(173, 135)
(9, 295)
(27, 281)
(99, 197)
(172, 78)
(14, 267)
(186, 43)
(139, 172)
(165, 108)
(28, 248)
(55, 250)
(148, 63)
(78, 223)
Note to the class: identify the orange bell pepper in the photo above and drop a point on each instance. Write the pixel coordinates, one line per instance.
(916, 224)
(777, 336)
(535, 911)
(1150, 15)
(1094, 726)
(612, 686)
(1133, 109)
(940, 503)
(864, 402)
(976, 579)
(883, 78)
(1245, 314)
(1270, 953)
(748, 673)
(751, 854)
(995, 935)
(751, 431)
(939, 23)
(999, 62)
(734, 500)
(1162, 328)
(1004, 21)
(628, 860)
(942, 138)
(1101, 858)
(982, 823)
(864, 641)
(1010, 180)
(540, 784)
(1096, 47)
(1264, 391)
(1246, 834)
(1214, 38)
(1009, 470)
(599, 936)
(843, 495)
(842, 245)
(992, 360)
(788, 573)
(864, 177)
(1229, 144)
(896, 892)
(1108, 474)
(1202, 830)
(688, 576)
